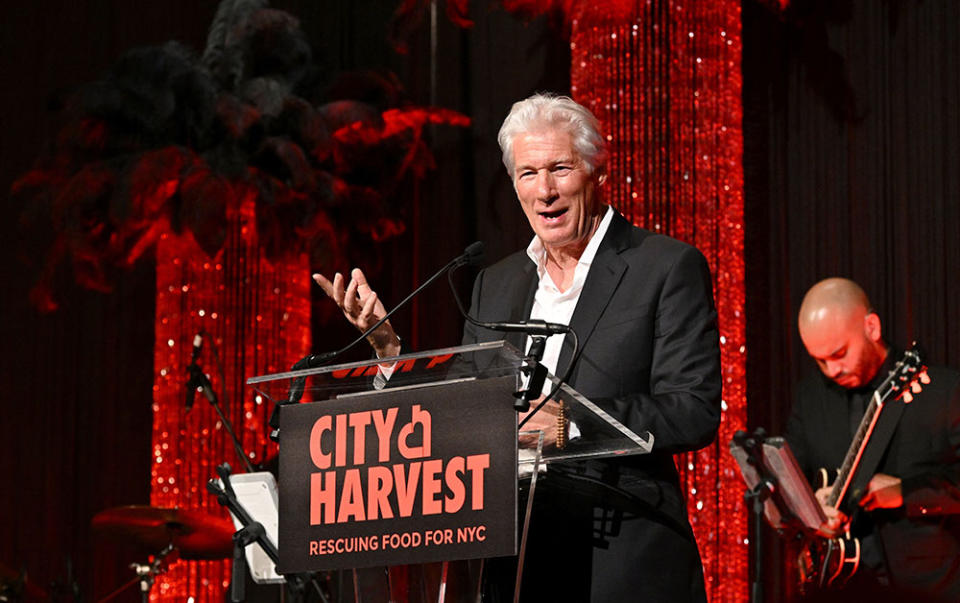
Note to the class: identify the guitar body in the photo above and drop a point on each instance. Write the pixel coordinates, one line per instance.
(825, 562)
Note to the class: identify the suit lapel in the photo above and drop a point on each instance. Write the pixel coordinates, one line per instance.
(520, 303)
(604, 277)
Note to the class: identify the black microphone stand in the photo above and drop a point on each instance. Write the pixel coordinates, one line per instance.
(198, 379)
(757, 496)
(532, 373)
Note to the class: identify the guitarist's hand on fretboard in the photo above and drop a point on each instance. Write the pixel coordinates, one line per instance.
(883, 492)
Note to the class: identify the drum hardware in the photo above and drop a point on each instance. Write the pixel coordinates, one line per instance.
(190, 534)
(194, 533)
(147, 573)
(16, 586)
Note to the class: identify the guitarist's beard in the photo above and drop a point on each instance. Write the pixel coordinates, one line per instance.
(848, 380)
(865, 370)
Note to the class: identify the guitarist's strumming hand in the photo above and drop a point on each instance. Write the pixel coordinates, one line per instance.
(883, 492)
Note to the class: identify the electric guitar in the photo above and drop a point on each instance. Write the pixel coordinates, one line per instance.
(831, 561)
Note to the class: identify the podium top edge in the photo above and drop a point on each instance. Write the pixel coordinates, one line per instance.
(462, 349)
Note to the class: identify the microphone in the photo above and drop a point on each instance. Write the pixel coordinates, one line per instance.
(197, 346)
(473, 254)
(530, 327)
(193, 369)
(197, 378)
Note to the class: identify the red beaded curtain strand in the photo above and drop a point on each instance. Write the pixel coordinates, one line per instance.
(257, 315)
(664, 78)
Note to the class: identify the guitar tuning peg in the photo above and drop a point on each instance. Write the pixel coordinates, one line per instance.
(915, 387)
(907, 397)
(924, 377)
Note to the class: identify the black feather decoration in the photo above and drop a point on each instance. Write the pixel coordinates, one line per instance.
(167, 141)
(223, 57)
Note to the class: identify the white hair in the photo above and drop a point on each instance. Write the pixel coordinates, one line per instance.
(547, 111)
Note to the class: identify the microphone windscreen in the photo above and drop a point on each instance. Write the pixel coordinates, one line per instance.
(473, 254)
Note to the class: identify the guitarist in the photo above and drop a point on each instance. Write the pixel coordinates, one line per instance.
(906, 509)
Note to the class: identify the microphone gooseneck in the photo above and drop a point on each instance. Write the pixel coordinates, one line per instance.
(472, 255)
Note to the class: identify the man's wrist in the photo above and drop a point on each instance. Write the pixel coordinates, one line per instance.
(389, 349)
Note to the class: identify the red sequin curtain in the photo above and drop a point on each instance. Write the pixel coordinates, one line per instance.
(664, 78)
(256, 316)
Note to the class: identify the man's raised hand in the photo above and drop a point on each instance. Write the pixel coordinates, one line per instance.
(362, 307)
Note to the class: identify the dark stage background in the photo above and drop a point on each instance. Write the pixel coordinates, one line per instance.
(851, 160)
(851, 155)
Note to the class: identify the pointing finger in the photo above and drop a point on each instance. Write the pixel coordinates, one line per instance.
(325, 284)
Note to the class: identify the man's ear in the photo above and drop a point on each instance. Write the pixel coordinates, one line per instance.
(871, 326)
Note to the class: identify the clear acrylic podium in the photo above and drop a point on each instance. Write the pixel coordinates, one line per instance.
(429, 374)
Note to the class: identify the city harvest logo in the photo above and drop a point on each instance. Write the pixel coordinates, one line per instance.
(404, 480)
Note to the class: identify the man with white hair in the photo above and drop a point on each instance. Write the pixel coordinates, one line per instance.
(642, 306)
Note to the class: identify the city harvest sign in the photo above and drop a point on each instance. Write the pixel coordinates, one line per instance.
(399, 477)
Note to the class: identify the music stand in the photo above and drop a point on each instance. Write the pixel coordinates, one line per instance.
(777, 490)
(257, 493)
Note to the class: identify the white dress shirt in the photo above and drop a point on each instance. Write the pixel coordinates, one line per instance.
(551, 304)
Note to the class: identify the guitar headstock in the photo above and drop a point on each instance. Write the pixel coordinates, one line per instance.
(908, 376)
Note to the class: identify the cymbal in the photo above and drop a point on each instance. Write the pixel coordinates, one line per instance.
(195, 533)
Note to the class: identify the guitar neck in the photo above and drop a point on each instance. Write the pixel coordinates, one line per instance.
(852, 459)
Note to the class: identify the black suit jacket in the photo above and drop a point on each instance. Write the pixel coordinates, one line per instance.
(649, 356)
(917, 545)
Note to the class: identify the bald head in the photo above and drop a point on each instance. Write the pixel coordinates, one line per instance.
(841, 332)
(832, 298)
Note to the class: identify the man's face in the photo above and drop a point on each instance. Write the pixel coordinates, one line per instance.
(555, 188)
(844, 348)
